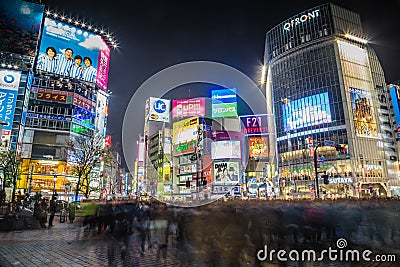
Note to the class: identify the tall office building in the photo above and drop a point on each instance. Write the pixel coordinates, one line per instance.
(329, 96)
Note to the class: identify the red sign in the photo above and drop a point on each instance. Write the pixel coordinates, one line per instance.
(108, 141)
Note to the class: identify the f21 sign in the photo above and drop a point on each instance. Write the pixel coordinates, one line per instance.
(254, 124)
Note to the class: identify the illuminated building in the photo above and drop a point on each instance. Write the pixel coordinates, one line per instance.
(51, 106)
(326, 84)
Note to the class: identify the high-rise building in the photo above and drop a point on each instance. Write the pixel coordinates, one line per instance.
(55, 88)
(332, 106)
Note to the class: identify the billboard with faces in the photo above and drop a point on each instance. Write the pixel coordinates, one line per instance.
(73, 52)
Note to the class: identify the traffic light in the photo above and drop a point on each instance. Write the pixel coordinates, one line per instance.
(326, 179)
(187, 184)
(204, 182)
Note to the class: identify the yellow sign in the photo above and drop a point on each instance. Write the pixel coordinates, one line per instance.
(185, 130)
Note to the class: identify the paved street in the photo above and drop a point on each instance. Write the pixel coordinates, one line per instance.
(67, 244)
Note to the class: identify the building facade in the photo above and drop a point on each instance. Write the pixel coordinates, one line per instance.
(332, 106)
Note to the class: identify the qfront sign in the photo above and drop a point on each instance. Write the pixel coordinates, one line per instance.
(300, 20)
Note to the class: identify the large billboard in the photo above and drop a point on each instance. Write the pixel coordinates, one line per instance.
(20, 26)
(363, 112)
(185, 130)
(307, 111)
(159, 109)
(225, 150)
(70, 51)
(9, 82)
(258, 146)
(396, 109)
(188, 107)
(254, 124)
(226, 172)
(224, 103)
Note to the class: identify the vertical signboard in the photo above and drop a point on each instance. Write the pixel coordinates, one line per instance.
(9, 82)
(73, 52)
(20, 26)
(101, 113)
(224, 103)
(363, 112)
(396, 109)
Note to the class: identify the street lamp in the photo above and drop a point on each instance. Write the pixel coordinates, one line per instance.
(316, 171)
(54, 187)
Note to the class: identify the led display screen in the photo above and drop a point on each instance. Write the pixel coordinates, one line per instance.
(69, 51)
(363, 112)
(185, 130)
(224, 103)
(20, 26)
(258, 146)
(225, 150)
(307, 111)
(396, 109)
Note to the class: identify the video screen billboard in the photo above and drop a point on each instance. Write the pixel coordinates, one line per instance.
(363, 112)
(73, 52)
(221, 135)
(225, 150)
(185, 130)
(20, 26)
(188, 107)
(224, 103)
(258, 147)
(9, 82)
(226, 172)
(307, 111)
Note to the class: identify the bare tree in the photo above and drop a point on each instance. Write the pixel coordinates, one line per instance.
(85, 154)
(10, 163)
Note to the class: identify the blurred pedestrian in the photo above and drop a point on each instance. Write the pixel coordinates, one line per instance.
(71, 212)
(52, 209)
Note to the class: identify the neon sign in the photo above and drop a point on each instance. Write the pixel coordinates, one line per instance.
(303, 18)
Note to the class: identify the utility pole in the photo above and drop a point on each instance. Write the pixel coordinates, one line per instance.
(316, 171)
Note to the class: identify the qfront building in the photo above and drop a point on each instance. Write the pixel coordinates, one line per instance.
(332, 107)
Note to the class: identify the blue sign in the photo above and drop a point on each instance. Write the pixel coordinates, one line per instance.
(8, 98)
(160, 106)
(307, 111)
(395, 101)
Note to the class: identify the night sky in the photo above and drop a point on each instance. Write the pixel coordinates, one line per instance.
(154, 35)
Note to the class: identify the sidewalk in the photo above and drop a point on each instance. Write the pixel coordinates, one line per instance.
(66, 244)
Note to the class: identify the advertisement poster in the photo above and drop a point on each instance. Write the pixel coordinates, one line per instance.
(258, 146)
(224, 103)
(363, 112)
(73, 52)
(225, 150)
(226, 172)
(307, 111)
(185, 130)
(20, 26)
(188, 107)
(159, 109)
(9, 82)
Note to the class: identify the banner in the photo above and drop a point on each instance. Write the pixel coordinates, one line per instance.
(226, 172)
(363, 112)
